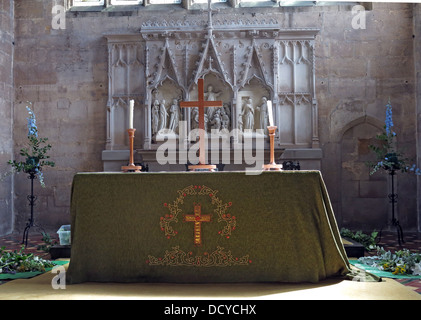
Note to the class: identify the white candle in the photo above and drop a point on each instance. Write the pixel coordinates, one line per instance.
(131, 114)
(270, 113)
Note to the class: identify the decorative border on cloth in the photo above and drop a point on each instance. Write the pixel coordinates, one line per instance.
(219, 258)
(194, 190)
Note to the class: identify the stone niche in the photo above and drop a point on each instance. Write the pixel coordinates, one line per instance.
(243, 63)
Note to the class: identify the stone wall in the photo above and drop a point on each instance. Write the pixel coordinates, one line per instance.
(6, 114)
(359, 70)
(417, 57)
(64, 74)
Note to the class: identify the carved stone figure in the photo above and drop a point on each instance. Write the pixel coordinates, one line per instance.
(163, 114)
(240, 123)
(174, 116)
(263, 117)
(155, 117)
(248, 114)
(210, 95)
(206, 122)
(216, 120)
(225, 120)
(195, 118)
(227, 109)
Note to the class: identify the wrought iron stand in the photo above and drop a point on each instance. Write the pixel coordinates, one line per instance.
(31, 198)
(393, 198)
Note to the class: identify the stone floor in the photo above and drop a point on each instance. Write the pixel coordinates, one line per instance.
(389, 241)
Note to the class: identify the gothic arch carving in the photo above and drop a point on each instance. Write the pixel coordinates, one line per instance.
(210, 62)
(166, 67)
(364, 119)
(254, 67)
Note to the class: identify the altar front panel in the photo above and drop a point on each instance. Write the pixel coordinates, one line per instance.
(198, 227)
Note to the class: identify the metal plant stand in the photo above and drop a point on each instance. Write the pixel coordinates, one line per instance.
(393, 199)
(31, 198)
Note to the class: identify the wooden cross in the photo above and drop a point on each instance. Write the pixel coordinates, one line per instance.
(197, 218)
(201, 104)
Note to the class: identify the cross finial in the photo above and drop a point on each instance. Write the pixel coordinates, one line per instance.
(210, 10)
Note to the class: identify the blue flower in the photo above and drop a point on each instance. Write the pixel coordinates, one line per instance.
(389, 120)
(415, 170)
(32, 126)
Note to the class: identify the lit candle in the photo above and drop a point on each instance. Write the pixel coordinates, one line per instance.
(270, 113)
(131, 114)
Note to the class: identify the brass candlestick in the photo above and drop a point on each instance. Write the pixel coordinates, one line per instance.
(272, 165)
(131, 167)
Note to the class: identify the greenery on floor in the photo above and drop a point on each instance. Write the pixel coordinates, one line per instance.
(48, 242)
(18, 261)
(367, 240)
(399, 263)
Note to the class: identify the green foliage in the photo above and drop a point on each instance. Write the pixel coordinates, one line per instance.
(387, 157)
(401, 262)
(35, 155)
(48, 242)
(18, 261)
(367, 240)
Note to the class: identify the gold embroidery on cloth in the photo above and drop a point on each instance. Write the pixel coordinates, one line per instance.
(177, 257)
(218, 258)
(168, 220)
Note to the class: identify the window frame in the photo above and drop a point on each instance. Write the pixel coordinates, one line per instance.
(99, 3)
(126, 2)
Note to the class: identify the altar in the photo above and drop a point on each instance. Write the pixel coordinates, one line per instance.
(203, 227)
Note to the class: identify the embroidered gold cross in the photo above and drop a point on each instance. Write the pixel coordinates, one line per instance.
(197, 218)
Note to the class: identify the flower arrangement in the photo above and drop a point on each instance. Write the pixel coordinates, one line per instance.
(388, 158)
(402, 262)
(36, 152)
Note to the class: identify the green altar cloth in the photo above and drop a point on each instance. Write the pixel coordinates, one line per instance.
(199, 227)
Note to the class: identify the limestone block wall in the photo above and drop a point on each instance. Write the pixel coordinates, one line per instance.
(417, 58)
(64, 73)
(359, 70)
(6, 113)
